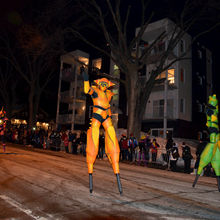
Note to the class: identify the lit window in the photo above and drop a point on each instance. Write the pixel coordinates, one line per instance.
(162, 75)
(97, 63)
(170, 76)
(84, 60)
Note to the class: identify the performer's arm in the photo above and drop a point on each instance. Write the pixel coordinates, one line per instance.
(86, 80)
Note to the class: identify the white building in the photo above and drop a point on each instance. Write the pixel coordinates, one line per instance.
(170, 107)
(71, 102)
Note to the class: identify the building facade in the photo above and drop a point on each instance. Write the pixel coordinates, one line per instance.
(71, 101)
(176, 106)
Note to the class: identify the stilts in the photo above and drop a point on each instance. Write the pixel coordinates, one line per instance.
(119, 183)
(90, 183)
(195, 181)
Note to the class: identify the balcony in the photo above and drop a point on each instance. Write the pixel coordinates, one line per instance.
(66, 97)
(67, 119)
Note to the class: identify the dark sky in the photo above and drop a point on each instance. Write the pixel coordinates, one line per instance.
(11, 12)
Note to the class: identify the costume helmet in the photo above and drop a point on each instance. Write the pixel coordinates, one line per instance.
(213, 100)
(104, 82)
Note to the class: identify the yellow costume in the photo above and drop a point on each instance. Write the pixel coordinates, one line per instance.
(101, 97)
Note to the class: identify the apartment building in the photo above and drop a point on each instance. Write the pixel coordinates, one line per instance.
(71, 101)
(176, 106)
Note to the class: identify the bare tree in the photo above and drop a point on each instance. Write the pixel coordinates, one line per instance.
(37, 45)
(8, 91)
(129, 60)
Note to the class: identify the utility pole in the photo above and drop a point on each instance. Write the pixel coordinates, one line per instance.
(58, 98)
(74, 98)
(165, 107)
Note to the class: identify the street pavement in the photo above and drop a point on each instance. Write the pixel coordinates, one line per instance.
(47, 185)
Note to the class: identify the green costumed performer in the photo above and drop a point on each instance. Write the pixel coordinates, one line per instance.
(211, 153)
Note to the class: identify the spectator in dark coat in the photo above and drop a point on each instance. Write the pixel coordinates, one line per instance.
(187, 157)
(174, 155)
(169, 146)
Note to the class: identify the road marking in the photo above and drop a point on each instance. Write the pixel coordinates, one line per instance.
(17, 205)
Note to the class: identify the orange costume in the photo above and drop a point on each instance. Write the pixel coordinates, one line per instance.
(101, 97)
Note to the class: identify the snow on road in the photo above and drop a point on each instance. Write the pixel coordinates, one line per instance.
(39, 184)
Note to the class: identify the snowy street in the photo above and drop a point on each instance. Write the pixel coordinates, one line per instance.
(43, 184)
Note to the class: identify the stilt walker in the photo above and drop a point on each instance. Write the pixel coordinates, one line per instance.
(211, 153)
(3, 120)
(101, 97)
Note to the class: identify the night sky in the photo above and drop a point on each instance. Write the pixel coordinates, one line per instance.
(12, 12)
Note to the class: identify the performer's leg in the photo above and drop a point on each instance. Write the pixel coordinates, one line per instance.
(112, 149)
(206, 157)
(111, 145)
(92, 144)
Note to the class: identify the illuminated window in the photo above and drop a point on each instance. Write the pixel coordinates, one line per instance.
(162, 75)
(84, 60)
(170, 75)
(97, 63)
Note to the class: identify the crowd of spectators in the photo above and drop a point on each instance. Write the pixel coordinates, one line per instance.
(54, 140)
(140, 152)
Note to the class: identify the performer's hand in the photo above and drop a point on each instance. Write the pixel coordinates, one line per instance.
(84, 73)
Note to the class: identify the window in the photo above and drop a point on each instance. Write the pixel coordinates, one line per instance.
(158, 108)
(182, 46)
(162, 75)
(170, 75)
(160, 47)
(97, 63)
(182, 75)
(170, 108)
(182, 105)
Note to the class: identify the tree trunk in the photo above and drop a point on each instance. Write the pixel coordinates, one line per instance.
(31, 107)
(132, 105)
(36, 105)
